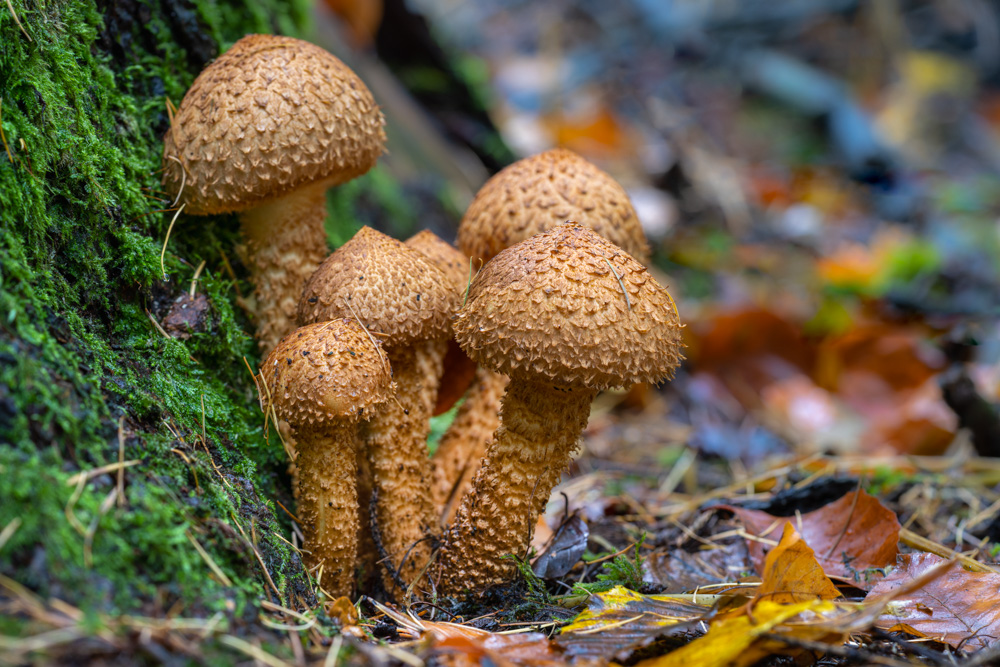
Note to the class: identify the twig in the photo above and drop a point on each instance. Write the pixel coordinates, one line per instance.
(331, 655)
(847, 524)
(212, 565)
(183, 173)
(256, 553)
(163, 251)
(9, 530)
(194, 279)
(620, 283)
(3, 137)
(10, 6)
(121, 461)
(255, 652)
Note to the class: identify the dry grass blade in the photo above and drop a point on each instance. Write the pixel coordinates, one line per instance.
(255, 652)
(163, 251)
(9, 530)
(212, 565)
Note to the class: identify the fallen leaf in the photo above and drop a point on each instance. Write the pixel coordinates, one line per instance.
(958, 608)
(853, 538)
(619, 621)
(527, 648)
(736, 640)
(792, 574)
(565, 549)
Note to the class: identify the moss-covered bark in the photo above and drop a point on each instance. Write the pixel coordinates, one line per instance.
(84, 109)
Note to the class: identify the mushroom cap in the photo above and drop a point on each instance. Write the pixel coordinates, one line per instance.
(537, 193)
(390, 287)
(268, 116)
(551, 308)
(443, 255)
(324, 372)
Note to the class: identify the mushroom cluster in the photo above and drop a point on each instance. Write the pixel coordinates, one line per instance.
(391, 333)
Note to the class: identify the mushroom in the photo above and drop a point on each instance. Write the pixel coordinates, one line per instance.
(564, 314)
(407, 301)
(323, 379)
(532, 195)
(538, 193)
(264, 131)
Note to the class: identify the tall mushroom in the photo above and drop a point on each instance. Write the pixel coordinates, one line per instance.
(323, 379)
(564, 314)
(531, 196)
(264, 131)
(406, 301)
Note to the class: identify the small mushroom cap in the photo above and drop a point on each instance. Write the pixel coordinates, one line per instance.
(553, 308)
(270, 115)
(443, 255)
(324, 372)
(392, 288)
(535, 194)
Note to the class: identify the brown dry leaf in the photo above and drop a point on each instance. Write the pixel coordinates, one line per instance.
(958, 608)
(792, 574)
(851, 537)
(619, 621)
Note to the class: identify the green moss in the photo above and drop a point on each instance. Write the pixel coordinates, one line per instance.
(83, 112)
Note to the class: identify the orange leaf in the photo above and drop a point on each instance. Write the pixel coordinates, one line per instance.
(851, 537)
(792, 574)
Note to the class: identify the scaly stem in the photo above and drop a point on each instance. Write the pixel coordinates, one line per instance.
(463, 445)
(539, 429)
(286, 242)
(328, 502)
(401, 472)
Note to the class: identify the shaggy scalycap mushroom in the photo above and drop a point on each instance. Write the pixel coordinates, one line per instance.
(264, 131)
(564, 314)
(323, 379)
(407, 302)
(538, 193)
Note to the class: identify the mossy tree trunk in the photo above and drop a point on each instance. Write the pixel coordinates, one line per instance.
(102, 359)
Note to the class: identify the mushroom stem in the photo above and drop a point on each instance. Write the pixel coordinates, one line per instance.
(401, 472)
(285, 241)
(539, 430)
(328, 504)
(463, 445)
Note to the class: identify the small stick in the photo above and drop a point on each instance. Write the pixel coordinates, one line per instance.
(621, 284)
(10, 6)
(167, 239)
(468, 285)
(183, 180)
(194, 279)
(2, 136)
(121, 461)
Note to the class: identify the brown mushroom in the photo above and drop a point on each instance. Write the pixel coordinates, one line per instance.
(406, 301)
(538, 193)
(564, 314)
(323, 379)
(264, 131)
(530, 196)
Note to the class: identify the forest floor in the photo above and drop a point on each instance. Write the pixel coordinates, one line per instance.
(817, 484)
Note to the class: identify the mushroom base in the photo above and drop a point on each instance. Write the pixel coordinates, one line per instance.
(328, 503)
(285, 243)
(463, 445)
(401, 469)
(540, 428)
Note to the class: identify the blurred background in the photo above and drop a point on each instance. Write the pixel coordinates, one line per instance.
(818, 179)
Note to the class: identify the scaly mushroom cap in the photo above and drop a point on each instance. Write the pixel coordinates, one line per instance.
(392, 288)
(326, 371)
(555, 307)
(535, 194)
(443, 255)
(270, 115)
